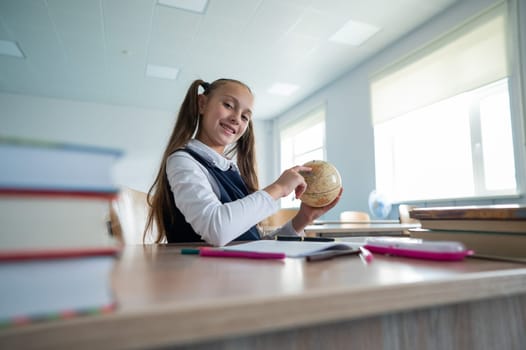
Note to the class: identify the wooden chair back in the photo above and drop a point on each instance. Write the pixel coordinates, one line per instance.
(403, 214)
(350, 215)
(128, 214)
(280, 218)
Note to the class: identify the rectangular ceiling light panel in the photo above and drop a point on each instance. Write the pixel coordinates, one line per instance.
(198, 6)
(283, 89)
(10, 48)
(354, 33)
(162, 72)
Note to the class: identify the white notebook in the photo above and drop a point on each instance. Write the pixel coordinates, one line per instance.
(293, 249)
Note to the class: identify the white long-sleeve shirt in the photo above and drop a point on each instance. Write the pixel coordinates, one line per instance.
(197, 193)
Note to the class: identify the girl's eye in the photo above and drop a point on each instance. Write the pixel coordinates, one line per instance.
(245, 118)
(228, 105)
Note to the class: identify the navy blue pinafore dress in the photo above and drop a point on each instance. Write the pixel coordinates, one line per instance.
(231, 187)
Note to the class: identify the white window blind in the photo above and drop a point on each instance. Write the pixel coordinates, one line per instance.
(469, 57)
(442, 117)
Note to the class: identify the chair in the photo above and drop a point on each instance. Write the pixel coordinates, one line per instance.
(128, 214)
(403, 215)
(278, 219)
(354, 216)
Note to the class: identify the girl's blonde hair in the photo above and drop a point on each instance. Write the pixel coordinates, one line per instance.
(160, 198)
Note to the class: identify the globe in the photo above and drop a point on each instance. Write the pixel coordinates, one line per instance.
(379, 205)
(323, 183)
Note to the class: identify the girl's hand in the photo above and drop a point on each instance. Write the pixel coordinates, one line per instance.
(290, 180)
(308, 214)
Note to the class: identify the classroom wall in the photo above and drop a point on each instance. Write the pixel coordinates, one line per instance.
(350, 139)
(266, 151)
(141, 133)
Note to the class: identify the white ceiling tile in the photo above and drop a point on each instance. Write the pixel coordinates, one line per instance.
(127, 25)
(318, 24)
(42, 48)
(296, 45)
(219, 30)
(15, 70)
(76, 8)
(4, 33)
(279, 15)
(353, 8)
(171, 24)
(71, 22)
(82, 39)
(165, 56)
(233, 9)
(260, 38)
(35, 13)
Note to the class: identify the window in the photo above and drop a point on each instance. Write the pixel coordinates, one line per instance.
(442, 121)
(457, 148)
(301, 142)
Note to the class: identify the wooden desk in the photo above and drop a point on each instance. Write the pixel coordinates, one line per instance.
(168, 299)
(358, 229)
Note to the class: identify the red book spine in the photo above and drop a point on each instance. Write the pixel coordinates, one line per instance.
(19, 192)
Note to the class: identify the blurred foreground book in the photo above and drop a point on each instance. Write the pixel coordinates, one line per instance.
(492, 231)
(41, 220)
(56, 251)
(55, 195)
(497, 245)
(45, 165)
(55, 285)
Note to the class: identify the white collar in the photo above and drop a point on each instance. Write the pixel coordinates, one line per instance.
(210, 155)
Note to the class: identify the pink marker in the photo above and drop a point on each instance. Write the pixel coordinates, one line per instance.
(219, 253)
(366, 254)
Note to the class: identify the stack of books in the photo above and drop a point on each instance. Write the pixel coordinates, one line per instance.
(56, 251)
(493, 231)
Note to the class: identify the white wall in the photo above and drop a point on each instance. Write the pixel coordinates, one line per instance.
(350, 140)
(141, 133)
(265, 151)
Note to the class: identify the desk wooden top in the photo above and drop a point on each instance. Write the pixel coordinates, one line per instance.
(168, 298)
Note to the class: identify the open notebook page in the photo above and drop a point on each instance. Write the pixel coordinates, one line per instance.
(293, 249)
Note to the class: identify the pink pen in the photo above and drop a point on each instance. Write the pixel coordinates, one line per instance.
(366, 254)
(219, 253)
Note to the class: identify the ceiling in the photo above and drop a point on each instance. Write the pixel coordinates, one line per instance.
(97, 50)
